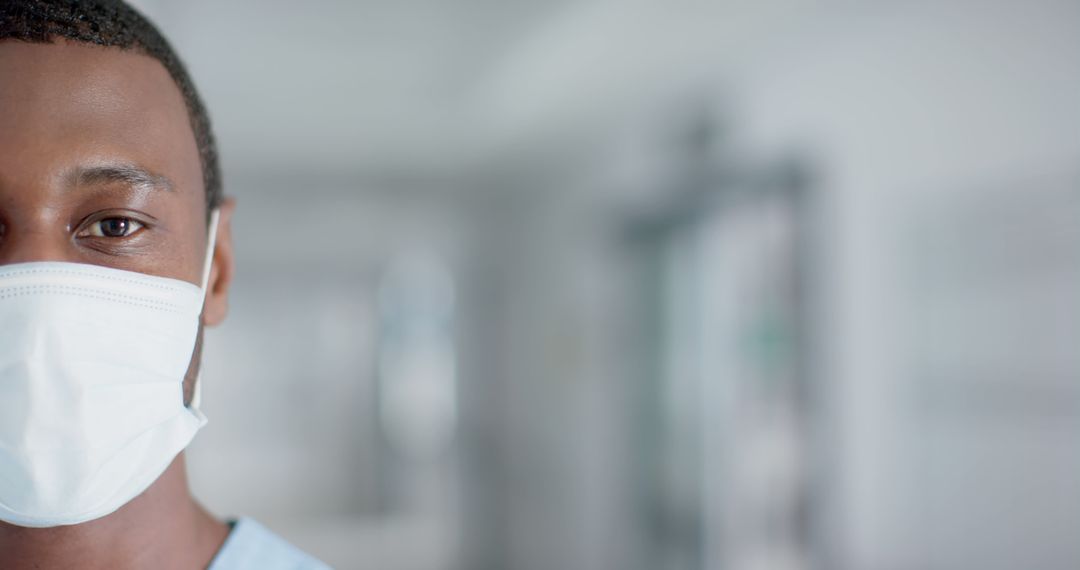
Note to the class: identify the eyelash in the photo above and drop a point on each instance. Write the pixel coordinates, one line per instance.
(133, 227)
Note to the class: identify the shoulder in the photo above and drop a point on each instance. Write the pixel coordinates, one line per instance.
(252, 546)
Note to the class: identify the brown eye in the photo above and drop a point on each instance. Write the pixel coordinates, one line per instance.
(112, 228)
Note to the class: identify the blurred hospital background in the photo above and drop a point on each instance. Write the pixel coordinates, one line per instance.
(647, 285)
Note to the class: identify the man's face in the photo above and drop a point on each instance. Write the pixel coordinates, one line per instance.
(98, 163)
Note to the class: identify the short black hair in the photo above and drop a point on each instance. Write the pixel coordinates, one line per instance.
(113, 23)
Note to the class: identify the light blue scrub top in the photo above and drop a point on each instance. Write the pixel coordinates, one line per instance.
(251, 546)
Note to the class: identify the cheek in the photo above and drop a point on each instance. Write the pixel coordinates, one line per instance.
(184, 237)
(192, 247)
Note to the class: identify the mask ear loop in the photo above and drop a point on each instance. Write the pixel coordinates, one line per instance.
(211, 241)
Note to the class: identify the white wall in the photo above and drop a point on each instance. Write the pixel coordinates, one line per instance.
(525, 130)
(911, 112)
(920, 110)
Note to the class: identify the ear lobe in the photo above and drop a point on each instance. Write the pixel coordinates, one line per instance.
(222, 268)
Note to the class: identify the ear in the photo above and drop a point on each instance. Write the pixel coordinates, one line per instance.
(222, 268)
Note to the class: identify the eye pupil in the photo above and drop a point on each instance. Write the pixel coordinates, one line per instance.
(115, 227)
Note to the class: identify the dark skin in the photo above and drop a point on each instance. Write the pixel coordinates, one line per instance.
(99, 165)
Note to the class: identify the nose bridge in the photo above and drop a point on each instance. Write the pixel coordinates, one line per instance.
(33, 238)
(34, 210)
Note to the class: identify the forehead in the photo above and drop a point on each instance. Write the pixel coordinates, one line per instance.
(65, 104)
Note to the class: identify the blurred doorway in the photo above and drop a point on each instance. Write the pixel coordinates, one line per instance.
(723, 405)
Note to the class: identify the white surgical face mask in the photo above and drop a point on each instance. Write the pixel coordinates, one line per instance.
(92, 364)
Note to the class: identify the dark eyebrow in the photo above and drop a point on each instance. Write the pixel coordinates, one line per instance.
(122, 173)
